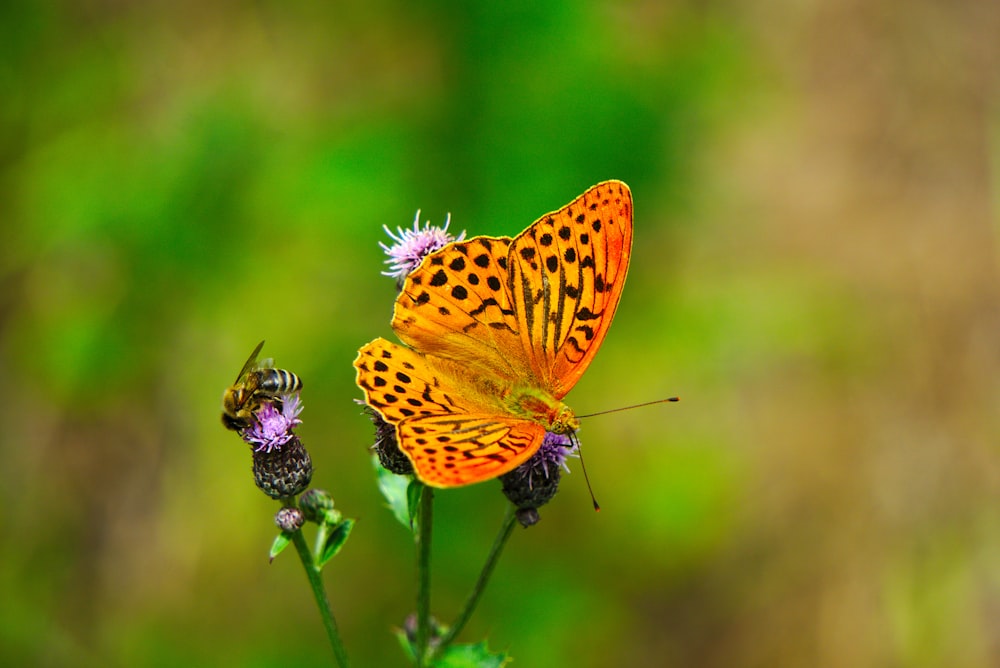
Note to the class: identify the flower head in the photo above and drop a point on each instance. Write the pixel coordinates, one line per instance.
(281, 465)
(273, 427)
(546, 463)
(534, 483)
(411, 246)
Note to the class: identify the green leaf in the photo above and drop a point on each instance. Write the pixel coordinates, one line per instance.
(394, 491)
(404, 642)
(471, 656)
(281, 541)
(413, 502)
(338, 536)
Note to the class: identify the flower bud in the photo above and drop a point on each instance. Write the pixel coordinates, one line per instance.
(315, 504)
(289, 519)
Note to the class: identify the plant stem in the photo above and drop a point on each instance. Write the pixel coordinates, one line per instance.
(424, 573)
(322, 602)
(491, 561)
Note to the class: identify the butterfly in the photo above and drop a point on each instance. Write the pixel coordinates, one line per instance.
(497, 331)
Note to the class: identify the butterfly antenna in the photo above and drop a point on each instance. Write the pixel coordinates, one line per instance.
(579, 451)
(579, 448)
(628, 408)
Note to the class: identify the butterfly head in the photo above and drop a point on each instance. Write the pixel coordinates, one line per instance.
(565, 421)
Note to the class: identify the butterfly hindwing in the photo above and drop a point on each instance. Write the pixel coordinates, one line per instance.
(460, 449)
(441, 429)
(399, 383)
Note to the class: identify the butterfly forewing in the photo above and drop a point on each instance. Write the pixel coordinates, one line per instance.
(566, 276)
(452, 450)
(455, 305)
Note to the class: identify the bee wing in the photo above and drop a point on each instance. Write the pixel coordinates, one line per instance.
(251, 362)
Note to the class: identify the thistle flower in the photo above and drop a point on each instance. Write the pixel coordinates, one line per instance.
(533, 484)
(273, 427)
(281, 465)
(409, 247)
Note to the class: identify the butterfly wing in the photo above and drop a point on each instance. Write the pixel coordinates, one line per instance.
(457, 305)
(466, 448)
(566, 276)
(400, 384)
(448, 424)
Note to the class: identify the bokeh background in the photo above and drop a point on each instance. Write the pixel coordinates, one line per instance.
(815, 273)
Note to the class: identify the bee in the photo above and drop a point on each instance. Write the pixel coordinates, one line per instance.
(255, 383)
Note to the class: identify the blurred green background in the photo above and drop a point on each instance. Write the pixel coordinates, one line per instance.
(815, 273)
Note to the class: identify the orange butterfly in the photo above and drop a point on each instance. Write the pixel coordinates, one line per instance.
(499, 331)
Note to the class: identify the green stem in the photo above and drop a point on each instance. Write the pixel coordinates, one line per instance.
(322, 602)
(424, 573)
(491, 561)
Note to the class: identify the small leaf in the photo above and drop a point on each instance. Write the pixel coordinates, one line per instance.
(394, 490)
(281, 541)
(471, 656)
(338, 536)
(406, 644)
(413, 493)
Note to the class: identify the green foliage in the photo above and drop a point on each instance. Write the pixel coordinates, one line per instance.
(281, 541)
(471, 656)
(414, 492)
(401, 494)
(334, 540)
(476, 655)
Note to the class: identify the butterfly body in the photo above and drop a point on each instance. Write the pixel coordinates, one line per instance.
(539, 406)
(497, 332)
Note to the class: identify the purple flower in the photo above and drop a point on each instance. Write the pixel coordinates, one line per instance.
(550, 457)
(273, 428)
(411, 246)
